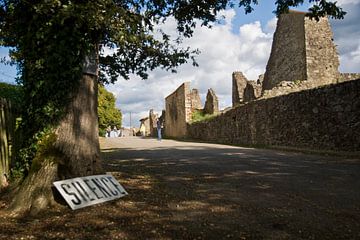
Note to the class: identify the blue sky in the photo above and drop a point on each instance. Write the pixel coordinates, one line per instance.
(7, 73)
(262, 12)
(241, 43)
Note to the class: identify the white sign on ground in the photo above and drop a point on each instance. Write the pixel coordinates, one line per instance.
(85, 191)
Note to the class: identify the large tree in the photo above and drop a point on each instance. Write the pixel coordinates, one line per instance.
(51, 39)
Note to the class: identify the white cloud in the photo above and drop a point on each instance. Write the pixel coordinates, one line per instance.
(222, 52)
(271, 25)
(346, 2)
(347, 36)
(350, 61)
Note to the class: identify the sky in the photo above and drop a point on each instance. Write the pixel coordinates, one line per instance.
(240, 43)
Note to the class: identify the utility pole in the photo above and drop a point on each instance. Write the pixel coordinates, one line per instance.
(130, 120)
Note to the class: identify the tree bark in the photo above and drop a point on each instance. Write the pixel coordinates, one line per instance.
(75, 152)
(6, 130)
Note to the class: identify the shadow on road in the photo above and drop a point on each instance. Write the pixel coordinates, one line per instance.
(216, 193)
(203, 191)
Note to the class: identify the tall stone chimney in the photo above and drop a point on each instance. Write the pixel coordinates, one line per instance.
(302, 49)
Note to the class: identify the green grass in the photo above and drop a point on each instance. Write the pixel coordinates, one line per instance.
(199, 116)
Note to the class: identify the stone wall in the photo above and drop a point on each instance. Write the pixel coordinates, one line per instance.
(326, 118)
(302, 49)
(348, 76)
(211, 103)
(145, 126)
(287, 57)
(177, 109)
(322, 61)
(152, 123)
(239, 82)
(195, 99)
(252, 91)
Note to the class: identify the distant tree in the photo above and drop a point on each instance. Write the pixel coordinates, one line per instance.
(12, 92)
(51, 40)
(109, 115)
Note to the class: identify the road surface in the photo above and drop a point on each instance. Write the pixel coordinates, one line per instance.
(185, 190)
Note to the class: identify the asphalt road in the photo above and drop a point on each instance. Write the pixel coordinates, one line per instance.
(210, 191)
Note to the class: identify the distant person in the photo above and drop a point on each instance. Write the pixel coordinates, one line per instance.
(158, 127)
(108, 131)
(114, 132)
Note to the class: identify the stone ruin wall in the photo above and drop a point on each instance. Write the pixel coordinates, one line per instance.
(303, 56)
(293, 107)
(325, 118)
(211, 103)
(252, 91)
(239, 82)
(175, 111)
(146, 123)
(244, 90)
(302, 50)
(322, 61)
(348, 76)
(152, 123)
(179, 107)
(287, 57)
(195, 99)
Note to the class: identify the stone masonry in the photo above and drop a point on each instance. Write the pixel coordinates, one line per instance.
(301, 101)
(212, 103)
(348, 76)
(145, 126)
(179, 108)
(302, 49)
(245, 90)
(324, 118)
(239, 82)
(322, 60)
(152, 123)
(252, 91)
(175, 111)
(195, 99)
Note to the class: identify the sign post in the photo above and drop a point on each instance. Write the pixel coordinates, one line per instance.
(86, 191)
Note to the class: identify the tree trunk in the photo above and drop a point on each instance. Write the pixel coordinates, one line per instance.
(6, 138)
(73, 151)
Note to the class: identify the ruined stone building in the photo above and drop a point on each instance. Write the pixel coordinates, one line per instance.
(303, 59)
(195, 99)
(178, 110)
(302, 49)
(303, 56)
(180, 106)
(144, 128)
(239, 82)
(152, 123)
(244, 90)
(148, 126)
(211, 103)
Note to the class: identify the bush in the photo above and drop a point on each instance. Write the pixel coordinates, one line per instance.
(200, 116)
